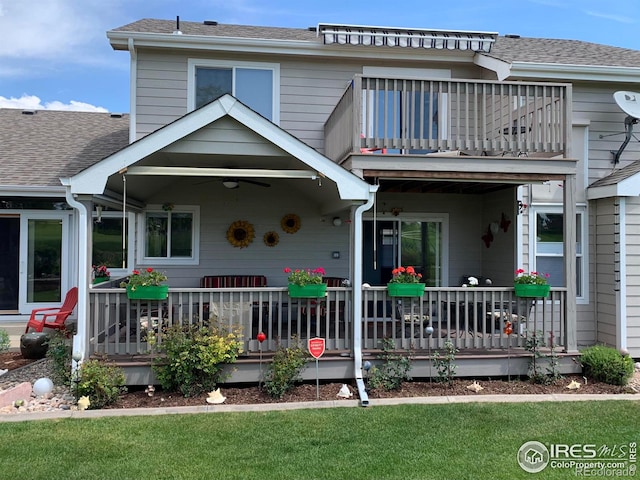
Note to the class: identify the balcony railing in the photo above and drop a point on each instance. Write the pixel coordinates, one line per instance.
(472, 318)
(408, 116)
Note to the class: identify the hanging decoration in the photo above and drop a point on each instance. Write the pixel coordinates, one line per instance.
(240, 234)
(290, 223)
(271, 239)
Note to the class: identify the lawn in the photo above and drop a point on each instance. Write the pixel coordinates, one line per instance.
(461, 441)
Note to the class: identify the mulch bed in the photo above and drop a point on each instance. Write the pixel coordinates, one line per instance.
(13, 360)
(252, 394)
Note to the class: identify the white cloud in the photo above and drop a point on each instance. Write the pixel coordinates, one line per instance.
(611, 16)
(32, 102)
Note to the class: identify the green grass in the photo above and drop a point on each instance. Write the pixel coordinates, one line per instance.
(463, 441)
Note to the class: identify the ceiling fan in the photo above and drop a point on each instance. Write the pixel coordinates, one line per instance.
(231, 183)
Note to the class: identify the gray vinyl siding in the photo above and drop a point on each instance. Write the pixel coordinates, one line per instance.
(263, 208)
(604, 273)
(633, 275)
(309, 90)
(595, 103)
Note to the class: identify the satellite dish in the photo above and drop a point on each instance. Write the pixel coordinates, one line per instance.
(629, 102)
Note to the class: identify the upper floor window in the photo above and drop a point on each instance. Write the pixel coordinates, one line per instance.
(170, 236)
(257, 85)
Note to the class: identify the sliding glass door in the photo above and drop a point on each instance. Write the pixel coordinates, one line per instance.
(44, 257)
(420, 243)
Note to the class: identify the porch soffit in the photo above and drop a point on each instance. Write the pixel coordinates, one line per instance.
(158, 147)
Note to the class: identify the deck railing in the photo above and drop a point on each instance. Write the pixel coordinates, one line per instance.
(472, 318)
(416, 116)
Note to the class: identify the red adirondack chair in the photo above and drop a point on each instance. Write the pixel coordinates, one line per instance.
(53, 317)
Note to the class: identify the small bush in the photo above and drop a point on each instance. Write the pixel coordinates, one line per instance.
(194, 357)
(445, 363)
(607, 365)
(59, 353)
(101, 382)
(394, 368)
(4, 341)
(284, 370)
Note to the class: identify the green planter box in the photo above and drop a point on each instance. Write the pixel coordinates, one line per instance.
(533, 291)
(307, 291)
(99, 280)
(405, 289)
(150, 292)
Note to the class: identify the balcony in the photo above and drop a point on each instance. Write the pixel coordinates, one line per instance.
(412, 116)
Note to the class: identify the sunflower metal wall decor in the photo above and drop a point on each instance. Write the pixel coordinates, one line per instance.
(290, 223)
(240, 234)
(271, 239)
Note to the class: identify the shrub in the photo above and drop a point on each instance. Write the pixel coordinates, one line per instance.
(4, 341)
(445, 363)
(101, 382)
(284, 370)
(59, 353)
(606, 364)
(194, 357)
(393, 370)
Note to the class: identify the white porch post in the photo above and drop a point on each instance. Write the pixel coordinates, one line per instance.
(84, 233)
(569, 199)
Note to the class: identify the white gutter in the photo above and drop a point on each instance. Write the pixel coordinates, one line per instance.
(559, 71)
(119, 41)
(356, 285)
(31, 191)
(80, 342)
(133, 91)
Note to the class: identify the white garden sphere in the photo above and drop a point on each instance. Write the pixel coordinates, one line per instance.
(42, 386)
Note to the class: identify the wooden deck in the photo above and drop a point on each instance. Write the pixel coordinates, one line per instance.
(472, 319)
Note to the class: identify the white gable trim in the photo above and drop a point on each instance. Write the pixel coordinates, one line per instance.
(93, 180)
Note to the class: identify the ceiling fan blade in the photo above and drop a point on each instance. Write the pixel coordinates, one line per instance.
(254, 182)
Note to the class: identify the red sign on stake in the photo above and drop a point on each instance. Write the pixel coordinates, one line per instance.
(316, 347)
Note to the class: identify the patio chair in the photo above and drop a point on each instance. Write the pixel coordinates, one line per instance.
(53, 317)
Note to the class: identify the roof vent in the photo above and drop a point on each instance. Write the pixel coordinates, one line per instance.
(511, 35)
(213, 23)
(29, 112)
(177, 30)
(116, 115)
(313, 29)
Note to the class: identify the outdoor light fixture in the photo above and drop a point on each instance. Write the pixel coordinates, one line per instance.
(337, 221)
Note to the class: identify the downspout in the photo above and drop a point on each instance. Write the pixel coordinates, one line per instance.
(80, 339)
(621, 223)
(356, 260)
(133, 80)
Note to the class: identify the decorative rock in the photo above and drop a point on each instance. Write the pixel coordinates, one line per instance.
(19, 392)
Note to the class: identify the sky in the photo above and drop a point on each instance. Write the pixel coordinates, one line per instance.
(54, 54)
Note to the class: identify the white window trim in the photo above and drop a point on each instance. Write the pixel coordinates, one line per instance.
(122, 272)
(193, 63)
(581, 209)
(195, 240)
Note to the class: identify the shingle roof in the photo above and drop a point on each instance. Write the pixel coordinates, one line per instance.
(618, 176)
(40, 148)
(522, 49)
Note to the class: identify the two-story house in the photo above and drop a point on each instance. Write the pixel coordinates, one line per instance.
(359, 149)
